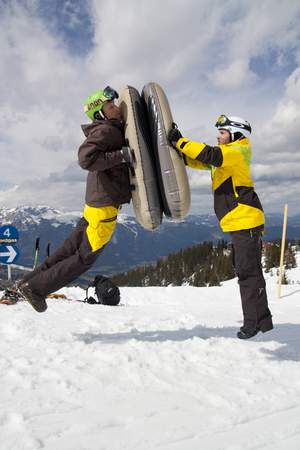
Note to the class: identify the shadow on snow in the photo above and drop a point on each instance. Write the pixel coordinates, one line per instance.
(286, 334)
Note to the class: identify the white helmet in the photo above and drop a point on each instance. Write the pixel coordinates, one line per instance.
(236, 126)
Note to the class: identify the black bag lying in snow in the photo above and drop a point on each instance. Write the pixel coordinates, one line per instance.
(106, 291)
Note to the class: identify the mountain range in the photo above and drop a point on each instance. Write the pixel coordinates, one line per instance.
(131, 245)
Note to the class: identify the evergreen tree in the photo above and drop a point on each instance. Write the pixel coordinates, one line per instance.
(284, 278)
(290, 257)
(272, 255)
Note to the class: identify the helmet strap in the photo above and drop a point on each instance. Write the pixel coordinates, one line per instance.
(236, 136)
(98, 115)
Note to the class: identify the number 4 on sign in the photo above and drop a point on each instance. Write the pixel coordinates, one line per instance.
(7, 233)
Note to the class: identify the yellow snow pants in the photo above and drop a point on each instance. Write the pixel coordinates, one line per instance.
(101, 224)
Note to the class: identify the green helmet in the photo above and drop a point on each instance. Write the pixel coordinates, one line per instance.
(95, 102)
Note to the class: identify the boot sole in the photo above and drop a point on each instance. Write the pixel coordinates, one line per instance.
(37, 307)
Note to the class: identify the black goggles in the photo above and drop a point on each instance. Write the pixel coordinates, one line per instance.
(110, 93)
(224, 121)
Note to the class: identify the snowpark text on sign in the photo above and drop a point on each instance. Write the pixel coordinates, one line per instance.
(8, 241)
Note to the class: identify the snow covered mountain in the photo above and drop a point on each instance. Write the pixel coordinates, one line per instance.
(162, 371)
(131, 245)
(26, 216)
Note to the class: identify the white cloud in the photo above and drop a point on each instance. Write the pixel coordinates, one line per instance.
(236, 75)
(261, 26)
(45, 191)
(201, 53)
(282, 130)
(293, 86)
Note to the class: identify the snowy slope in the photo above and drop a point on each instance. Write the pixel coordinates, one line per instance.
(163, 371)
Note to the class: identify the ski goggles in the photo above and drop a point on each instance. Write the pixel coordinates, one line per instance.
(110, 93)
(224, 121)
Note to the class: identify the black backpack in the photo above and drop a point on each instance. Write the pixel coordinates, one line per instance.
(106, 291)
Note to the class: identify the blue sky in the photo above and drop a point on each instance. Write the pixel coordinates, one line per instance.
(211, 57)
(70, 21)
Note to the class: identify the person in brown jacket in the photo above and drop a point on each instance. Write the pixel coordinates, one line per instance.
(106, 158)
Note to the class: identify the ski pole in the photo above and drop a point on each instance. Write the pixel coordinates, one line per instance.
(37, 249)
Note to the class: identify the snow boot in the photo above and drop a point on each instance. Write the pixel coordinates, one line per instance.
(36, 301)
(247, 334)
(266, 324)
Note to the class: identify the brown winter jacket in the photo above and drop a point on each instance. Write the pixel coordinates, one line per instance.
(108, 178)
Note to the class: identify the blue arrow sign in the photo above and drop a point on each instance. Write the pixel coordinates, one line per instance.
(8, 234)
(8, 254)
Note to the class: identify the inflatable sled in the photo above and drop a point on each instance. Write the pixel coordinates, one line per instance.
(172, 176)
(145, 192)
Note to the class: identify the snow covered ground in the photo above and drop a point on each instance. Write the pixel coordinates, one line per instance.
(164, 371)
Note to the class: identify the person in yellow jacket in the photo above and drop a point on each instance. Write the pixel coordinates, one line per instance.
(238, 209)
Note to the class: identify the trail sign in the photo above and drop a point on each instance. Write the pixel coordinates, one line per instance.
(9, 252)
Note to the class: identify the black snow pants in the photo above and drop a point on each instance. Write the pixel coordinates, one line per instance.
(69, 261)
(247, 252)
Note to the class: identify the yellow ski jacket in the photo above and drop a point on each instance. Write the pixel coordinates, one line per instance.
(236, 204)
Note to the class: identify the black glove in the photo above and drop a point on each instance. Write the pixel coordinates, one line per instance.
(174, 135)
(128, 156)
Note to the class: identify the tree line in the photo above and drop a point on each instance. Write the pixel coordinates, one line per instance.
(272, 251)
(205, 264)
